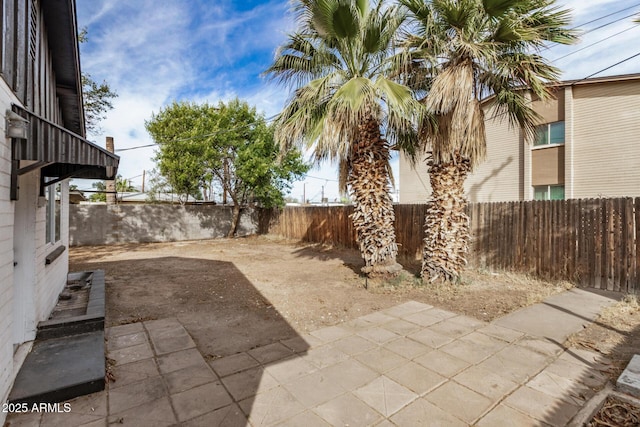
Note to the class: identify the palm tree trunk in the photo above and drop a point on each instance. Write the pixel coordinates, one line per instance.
(446, 225)
(373, 217)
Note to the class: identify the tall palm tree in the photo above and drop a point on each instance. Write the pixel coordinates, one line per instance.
(467, 56)
(347, 108)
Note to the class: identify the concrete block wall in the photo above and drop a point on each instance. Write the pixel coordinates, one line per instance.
(115, 224)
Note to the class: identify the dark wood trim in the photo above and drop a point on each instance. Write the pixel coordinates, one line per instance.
(54, 254)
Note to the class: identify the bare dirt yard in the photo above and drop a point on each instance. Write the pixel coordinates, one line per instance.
(236, 294)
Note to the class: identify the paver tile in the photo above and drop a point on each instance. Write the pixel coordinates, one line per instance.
(541, 406)
(485, 382)
(449, 398)
(324, 356)
(586, 358)
(249, 383)
(98, 423)
(232, 364)
(131, 354)
(378, 335)
(170, 340)
(62, 419)
(431, 338)
(353, 345)
(500, 332)
(486, 341)
(192, 376)
(406, 347)
(406, 308)
(306, 419)
(402, 327)
(467, 351)
(155, 413)
(200, 400)
(442, 363)
(180, 360)
(424, 413)
(270, 353)
(561, 388)
(298, 344)
(133, 372)
(271, 407)
(128, 340)
(130, 328)
(443, 314)
(24, 419)
(423, 318)
(504, 416)
(385, 395)
(541, 345)
(291, 369)
(416, 377)
(381, 360)
(349, 374)
(132, 395)
(515, 363)
(314, 389)
(228, 416)
(348, 410)
(331, 333)
(91, 404)
(358, 324)
(377, 317)
(161, 326)
(583, 374)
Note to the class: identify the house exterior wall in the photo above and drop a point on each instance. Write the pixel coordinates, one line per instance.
(606, 136)
(413, 181)
(26, 79)
(6, 252)
(599, 158)
(500, 175)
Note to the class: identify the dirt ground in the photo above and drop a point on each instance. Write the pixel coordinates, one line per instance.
(236, 294)
(615, 334)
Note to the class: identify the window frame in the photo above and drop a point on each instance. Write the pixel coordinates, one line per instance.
(53, 214)
(548, 191)
(548, 126)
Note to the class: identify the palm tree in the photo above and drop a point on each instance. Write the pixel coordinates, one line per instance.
(467, 56)
(348, 110)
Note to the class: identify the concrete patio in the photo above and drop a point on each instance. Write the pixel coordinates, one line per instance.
(410, 365)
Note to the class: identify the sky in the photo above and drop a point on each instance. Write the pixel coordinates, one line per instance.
(154, 52)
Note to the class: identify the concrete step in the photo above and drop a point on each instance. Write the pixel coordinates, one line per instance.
(60, 369)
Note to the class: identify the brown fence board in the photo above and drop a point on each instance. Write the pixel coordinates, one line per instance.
(592, 241)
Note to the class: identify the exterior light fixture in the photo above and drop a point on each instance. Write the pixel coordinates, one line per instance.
(16, 126)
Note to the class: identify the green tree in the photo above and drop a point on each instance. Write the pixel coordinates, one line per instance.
(346, 107)
(231, 145)
(122, 186)
(460, 52)
(96, 97)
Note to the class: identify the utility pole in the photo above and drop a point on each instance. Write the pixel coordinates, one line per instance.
(110, 184)
(304, 193)
(143, 174)
(322, 197)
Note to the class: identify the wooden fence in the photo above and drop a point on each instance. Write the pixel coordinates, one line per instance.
(592, 242)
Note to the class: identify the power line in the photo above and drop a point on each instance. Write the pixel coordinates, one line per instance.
(593, 44)
(608, 23)
(609, 67)
(605, 16)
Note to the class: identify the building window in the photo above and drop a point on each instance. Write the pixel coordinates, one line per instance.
(550, 133)
(52, 228)
(548, 192)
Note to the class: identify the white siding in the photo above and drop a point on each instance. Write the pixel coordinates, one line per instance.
(6, 252)
(606, 139)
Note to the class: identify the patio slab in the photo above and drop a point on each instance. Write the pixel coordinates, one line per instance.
(408, 365)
